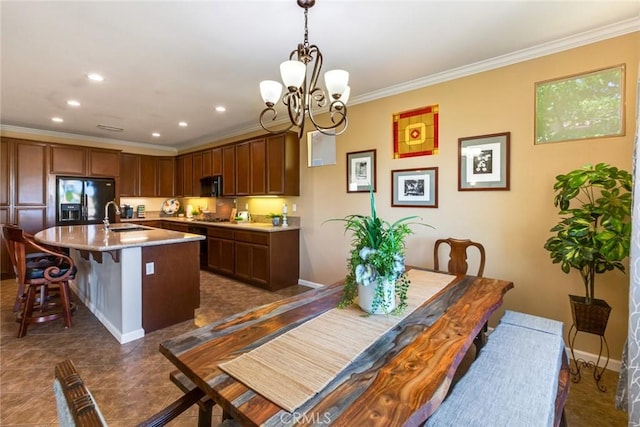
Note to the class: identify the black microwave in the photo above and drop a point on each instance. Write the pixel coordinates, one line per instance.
(211, 186)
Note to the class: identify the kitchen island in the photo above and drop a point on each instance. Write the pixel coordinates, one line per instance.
(135, 279)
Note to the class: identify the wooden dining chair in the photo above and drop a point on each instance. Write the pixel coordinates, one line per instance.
(43, 280)
(77, 407)
(458, 251)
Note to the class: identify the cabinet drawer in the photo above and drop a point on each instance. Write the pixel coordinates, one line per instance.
(252, 237)
(220, 232)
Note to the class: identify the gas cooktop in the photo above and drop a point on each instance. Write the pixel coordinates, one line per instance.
(215, 219)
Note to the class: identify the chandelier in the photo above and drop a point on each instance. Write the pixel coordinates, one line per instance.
(303, 95)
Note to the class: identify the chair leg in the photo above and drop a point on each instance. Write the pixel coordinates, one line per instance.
(19, 298)
(65, 300)
(27, 311)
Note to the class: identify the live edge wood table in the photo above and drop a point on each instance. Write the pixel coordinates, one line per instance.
(400, 380)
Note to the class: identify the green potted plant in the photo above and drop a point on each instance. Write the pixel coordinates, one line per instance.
(593, 235)
(376, 267)
(276, 219)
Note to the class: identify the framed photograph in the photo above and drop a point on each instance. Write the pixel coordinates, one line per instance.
(583, 106)
(361, 171)
(415, 132)
(417, 188)
(483, 162)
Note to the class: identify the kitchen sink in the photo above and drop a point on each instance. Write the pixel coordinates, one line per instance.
(128, 228)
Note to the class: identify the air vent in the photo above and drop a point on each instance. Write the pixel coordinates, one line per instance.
(110, 128)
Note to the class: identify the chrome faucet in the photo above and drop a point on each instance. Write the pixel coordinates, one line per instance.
(105, 221)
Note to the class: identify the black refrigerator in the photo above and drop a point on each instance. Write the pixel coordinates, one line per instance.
(82, 201)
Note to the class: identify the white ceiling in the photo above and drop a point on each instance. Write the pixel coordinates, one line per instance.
(167, 61)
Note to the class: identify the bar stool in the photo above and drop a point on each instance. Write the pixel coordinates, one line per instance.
(47, 274)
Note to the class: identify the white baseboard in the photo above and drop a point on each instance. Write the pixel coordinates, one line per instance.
(310, 284)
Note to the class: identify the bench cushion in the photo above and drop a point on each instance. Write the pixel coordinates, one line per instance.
(533, 322)
(513, 382)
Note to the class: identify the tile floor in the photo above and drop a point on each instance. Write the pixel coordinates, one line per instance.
(131, 381)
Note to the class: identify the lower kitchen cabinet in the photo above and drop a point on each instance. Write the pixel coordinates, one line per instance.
(220, 250)
(269, 260)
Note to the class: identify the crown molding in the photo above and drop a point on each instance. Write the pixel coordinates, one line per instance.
(571, 42)
(71, 138)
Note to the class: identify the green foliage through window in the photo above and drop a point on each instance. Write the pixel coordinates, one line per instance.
(585, 106)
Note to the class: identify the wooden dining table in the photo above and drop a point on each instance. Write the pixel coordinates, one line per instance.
(400, 379)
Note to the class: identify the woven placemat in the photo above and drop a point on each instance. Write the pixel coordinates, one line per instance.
(292, 368)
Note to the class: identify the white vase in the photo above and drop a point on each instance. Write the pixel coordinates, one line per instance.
(366, 294)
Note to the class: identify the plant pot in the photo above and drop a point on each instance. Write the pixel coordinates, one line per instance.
(367, 293)
(275, 221)
(591, 318)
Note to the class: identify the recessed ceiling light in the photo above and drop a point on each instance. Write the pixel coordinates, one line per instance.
(57, 119)
(183, 124)
(95, 77)
(155, 135)
(220, 109)
(73, 103)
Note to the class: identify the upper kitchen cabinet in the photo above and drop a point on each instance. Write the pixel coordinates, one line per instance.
(243, 169)
(187, 176)
(104, 163)
(68, 160)
(129, 175)
(216, 161)
(146, 176)
(165, 176)
(157, 176)
(229, 170)
(196, 173)
(84, 161)
(283, 165)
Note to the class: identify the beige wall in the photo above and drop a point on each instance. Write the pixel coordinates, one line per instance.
(513, 225)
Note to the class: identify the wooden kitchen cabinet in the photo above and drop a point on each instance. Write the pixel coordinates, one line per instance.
(216, 161)
(243, 169)
(24, 198)
(221, 250)
(104, 163)
(207, 165)
(187, 175)
(229, 170)
(252, 257)
(165, 178)
(283, 165)
(68, 160)
(270, 260)
(84, 161)
(258, 167)
(147, 176)
(196, 174)
(129, 175)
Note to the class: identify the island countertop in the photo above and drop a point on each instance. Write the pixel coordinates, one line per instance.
(118, 236)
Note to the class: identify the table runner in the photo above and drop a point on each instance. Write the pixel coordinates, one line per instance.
(293, 367)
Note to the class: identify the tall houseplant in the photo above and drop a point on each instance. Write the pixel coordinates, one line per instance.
(594, 233)
(376, 259)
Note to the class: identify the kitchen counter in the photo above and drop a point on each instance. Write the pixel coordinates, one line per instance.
(257, 226)
(135, 279)
(118, 236)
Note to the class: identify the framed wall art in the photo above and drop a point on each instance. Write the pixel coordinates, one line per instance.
(415, 132)
(483, 162)
(583, 106)
(416, 188)
(361, 171)
(321, 149)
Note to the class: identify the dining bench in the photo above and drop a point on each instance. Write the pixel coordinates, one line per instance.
(520, 377)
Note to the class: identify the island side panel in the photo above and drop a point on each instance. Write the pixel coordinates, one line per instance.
(112, 291)
(171, 293)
